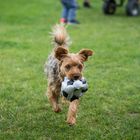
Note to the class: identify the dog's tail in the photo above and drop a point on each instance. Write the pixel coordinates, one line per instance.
(60, 36)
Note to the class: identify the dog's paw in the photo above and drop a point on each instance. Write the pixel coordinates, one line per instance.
(57, 110)
(71, 121)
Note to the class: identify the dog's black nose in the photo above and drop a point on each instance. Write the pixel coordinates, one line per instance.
(76, 77)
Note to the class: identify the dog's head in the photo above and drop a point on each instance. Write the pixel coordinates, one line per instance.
(71, 65)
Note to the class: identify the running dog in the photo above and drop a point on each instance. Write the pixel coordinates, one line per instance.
(62, 64)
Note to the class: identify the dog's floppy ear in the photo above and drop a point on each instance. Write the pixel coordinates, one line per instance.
(84, 54)
(60, 53)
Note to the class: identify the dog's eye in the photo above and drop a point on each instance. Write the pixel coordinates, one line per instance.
(67, 67)
(80, 66)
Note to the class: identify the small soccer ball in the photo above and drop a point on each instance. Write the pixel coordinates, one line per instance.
(73, 89)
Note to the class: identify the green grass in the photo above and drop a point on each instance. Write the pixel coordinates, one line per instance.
(110, 110)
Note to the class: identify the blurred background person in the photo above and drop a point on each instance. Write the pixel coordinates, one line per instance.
(69, 12)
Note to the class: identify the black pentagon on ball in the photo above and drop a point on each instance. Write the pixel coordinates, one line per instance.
(83, 81)
(73, 98)
(65, 94)
(70, 82)
(84, 90)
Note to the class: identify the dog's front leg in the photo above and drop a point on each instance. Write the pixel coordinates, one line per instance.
(71, 118)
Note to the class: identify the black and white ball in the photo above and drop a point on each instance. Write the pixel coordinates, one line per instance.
(73, 89)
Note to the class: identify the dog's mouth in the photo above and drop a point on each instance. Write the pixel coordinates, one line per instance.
(75, 77)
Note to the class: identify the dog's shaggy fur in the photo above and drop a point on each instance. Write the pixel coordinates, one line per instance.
(61, 63)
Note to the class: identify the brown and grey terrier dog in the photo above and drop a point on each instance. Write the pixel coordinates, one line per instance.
(62, 64)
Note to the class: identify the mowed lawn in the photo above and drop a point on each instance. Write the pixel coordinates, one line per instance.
(110, 110)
